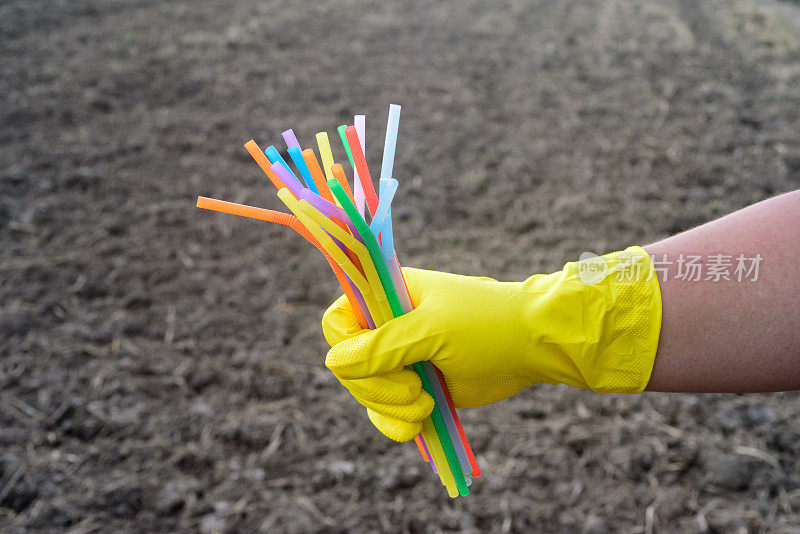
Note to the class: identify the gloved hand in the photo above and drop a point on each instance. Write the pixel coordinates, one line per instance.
(491, 339)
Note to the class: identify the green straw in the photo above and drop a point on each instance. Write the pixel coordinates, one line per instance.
(343, 137)
(397, 310)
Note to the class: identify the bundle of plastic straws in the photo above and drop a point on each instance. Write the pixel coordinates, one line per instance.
(333, 218)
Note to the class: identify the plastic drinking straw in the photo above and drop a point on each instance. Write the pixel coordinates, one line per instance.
(387, 190)
(356, 181)
(290, 139)
(327, 159)
(390, 142)
(255, 151)
(337, 215)
(387, 243)
(273, 155)
(358, 248)
(440, 457)
(397, 310)
(463, 450)
(343, 138)
(333, 211)
(358, 191)
(340, 257)
(300, 163)
(363, 170)
(422, 448)
(449, 421)
(359, 121)
(369, 240)
(316, 173)
(292, 183)
(293, 222)
(476, 470)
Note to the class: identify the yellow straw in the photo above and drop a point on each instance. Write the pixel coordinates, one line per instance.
(359, 249)
(336, 253)
(438, 457)
(326, 154)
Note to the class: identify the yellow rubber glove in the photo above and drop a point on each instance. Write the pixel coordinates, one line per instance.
(595, 324)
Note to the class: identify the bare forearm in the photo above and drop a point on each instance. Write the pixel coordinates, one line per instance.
(731, 335)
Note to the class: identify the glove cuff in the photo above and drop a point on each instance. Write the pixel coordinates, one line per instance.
(623, 358)
(603, 318)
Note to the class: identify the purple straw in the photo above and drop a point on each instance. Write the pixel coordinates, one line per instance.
(286, 177)
(290, 138)
(331, 210)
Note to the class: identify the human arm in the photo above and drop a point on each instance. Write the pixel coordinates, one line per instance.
(733, 336)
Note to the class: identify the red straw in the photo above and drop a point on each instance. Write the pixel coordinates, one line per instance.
(361, 166)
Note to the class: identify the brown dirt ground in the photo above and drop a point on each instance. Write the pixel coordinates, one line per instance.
(161, 367)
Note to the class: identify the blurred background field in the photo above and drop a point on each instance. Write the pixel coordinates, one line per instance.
(161, 368)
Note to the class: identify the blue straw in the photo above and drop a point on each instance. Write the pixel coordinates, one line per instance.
(273, 156)
(300, 163)
(391, 141)
(387, 239)
(387, 190)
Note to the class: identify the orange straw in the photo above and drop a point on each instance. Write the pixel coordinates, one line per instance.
(294, 223)
(316, 173)
(265, 165)
(421, 448)
(338, 173)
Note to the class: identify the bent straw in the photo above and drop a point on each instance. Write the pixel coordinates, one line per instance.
(397, 310)
(358, 248)
(387, 190)
(291, 221)
(292, 183)
(462, 447)
(274, 157)
(458, 436)
(316, 173)
(363, 170)
(336, 214)
(261, 158)
(290, 139)
(300, 163)
(333, 211)
(387, 243)
(359, 121)
(340, 257)
(369, 240)
(390, 142)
